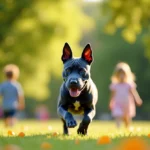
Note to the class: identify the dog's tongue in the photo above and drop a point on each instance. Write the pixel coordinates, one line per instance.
(74, 92)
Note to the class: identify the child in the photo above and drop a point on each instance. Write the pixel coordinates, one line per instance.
(12, 94)
(123, 94)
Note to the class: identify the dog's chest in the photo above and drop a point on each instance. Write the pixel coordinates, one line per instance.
(76, 107)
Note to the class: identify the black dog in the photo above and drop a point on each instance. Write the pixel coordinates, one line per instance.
(78, 93)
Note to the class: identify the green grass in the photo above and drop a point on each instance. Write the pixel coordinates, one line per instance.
(37, 132)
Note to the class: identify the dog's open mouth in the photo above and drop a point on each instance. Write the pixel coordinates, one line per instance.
(74, 92)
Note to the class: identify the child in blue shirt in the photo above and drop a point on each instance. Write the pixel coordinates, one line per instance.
(12, 94)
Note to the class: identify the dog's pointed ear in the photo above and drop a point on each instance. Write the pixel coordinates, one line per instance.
(87, 54)
(67, 53)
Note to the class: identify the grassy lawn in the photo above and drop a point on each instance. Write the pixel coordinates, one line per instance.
(48, 135)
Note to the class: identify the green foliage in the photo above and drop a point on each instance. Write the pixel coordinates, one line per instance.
(32, 34)
(130, 16)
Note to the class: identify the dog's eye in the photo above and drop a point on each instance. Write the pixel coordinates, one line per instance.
(82, 72)
(67, 71)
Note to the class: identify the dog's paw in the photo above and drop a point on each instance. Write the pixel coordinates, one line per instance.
(82, 131)
(70, 122)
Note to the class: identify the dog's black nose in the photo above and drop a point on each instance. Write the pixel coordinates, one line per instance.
(73, 81)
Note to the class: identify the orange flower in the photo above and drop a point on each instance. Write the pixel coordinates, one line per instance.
(104, 140)
(21, 134)
(133, 144)
(46, 145)
(149, 135)
(77, 142)
(55, 134)
(10, 132)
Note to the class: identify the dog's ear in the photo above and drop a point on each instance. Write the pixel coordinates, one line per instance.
(87, 54)
(67, 53)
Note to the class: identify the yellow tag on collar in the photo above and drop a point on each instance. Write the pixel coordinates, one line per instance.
(76, 105)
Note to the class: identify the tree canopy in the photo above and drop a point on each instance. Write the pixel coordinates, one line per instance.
(131, 16)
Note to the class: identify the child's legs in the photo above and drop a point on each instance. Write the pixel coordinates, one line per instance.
(117, 113)
(127, 120)
(8, 121)
(9, 117)
(118, 121)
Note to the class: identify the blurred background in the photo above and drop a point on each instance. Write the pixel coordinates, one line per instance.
(33, 33)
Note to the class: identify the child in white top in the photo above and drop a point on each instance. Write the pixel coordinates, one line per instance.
(123, 94)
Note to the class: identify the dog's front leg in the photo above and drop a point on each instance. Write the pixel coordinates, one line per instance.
(87, 118)
(67, 117)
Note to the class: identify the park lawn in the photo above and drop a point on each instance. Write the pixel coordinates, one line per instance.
(49, 136)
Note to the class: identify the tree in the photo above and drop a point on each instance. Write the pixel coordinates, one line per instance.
(132, 17)
(32, 34)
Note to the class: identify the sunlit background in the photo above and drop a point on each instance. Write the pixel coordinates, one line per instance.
(33, 33)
